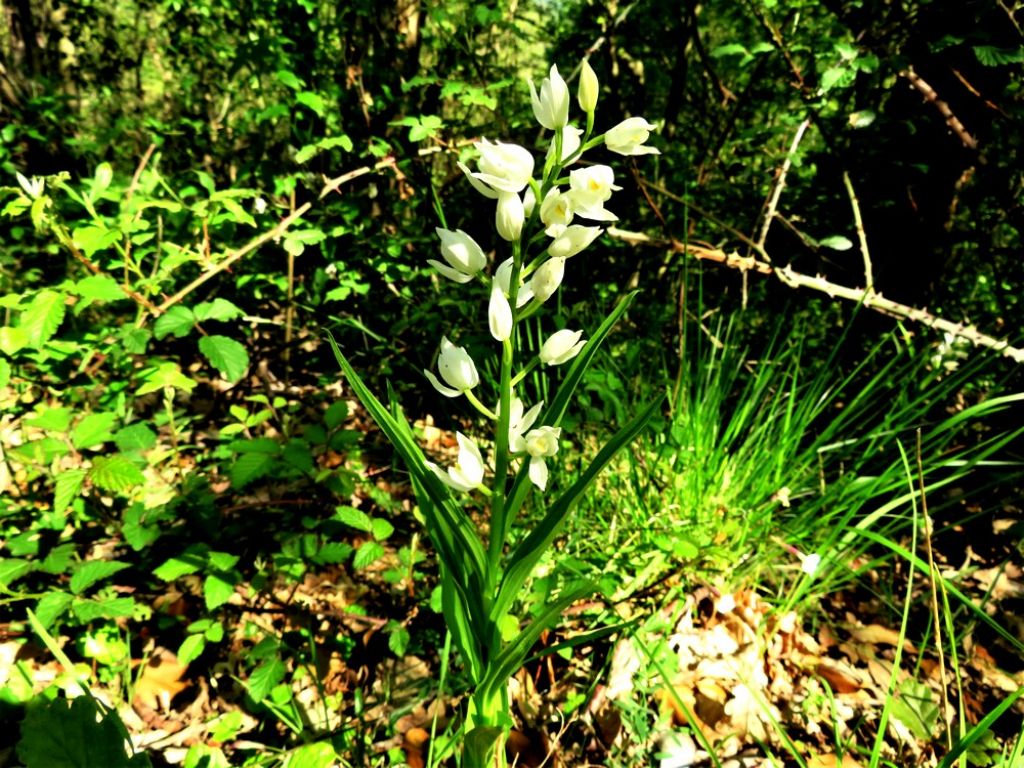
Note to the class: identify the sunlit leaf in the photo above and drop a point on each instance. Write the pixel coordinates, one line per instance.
(228, 356)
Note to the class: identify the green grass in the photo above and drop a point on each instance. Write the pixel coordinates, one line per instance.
(762, 462)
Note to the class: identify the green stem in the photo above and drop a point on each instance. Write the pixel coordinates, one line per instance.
(525, 372)
(475, 402)
(496, 541)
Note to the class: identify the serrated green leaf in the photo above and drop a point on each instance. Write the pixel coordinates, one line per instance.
(135, 529)
(267, 674)
(916, 708)
(218, 309)
(135, 437)
(381, 529)
(336, 414)
(248, 467)
(993, 56)
(398, 638)
(5, 372)
(297, 453)
(115, 473)
(333, 552)
(112, 608)
(191, 648)
(134, 340)
(290, 79)
(264, 445)
(177, 567)
(834, 76)
(59, 558)
(42, 317)
(178, 320)
(66, 489)
(354, 518)
(99, 288)
(51, 607)
(93, 238)
(368, 553)
(93, 430)
(12, 340)
(14, 568)
(165, 376)
(223, 561)
(227, 726)
(51, 419)
(237, 212)
(90, 572)
(226, 355)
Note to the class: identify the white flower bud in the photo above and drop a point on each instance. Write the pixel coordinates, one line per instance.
(509, 216)
(588, 88)
(561, 347)
(547, 279)
(551, 107)
(629, 136)
(499, 313)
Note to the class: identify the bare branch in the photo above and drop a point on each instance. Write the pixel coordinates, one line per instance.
(780, 182)
(931, 96)
(234, 256)
(862, 238)
(868, 298)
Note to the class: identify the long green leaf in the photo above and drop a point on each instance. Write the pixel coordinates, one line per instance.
(513, 656)
(529, 551)
(450, 530)
(470, 591)
(979, 730)
(560, 402)
(460, 627)
(552, 416)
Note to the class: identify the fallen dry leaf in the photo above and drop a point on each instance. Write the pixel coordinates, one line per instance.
(876, 634)
(160, 682)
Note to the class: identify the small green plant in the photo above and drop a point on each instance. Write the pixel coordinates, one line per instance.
(481, 583)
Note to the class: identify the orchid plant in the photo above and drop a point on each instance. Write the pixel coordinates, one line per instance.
(482, 571)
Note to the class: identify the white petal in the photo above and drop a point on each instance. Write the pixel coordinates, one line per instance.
(471, 462)
(499, 314)
(531, 416)
(538, 472)
(480, 187)
(451, 274)
(446, 391)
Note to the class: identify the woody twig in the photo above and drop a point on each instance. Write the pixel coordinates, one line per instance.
(788, 276)
(933, 98)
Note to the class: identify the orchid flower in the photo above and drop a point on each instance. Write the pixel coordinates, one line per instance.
(456, 368)
(629, 136)
(551, 107)
(468, 472)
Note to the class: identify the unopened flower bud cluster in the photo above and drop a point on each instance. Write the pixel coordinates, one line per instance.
(569, 211)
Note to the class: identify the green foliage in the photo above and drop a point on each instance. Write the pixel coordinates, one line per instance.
(168, 419)
(75, 734)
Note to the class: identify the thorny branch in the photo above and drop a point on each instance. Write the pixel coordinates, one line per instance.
(866, 296)
(931, 96)
(788, 276)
